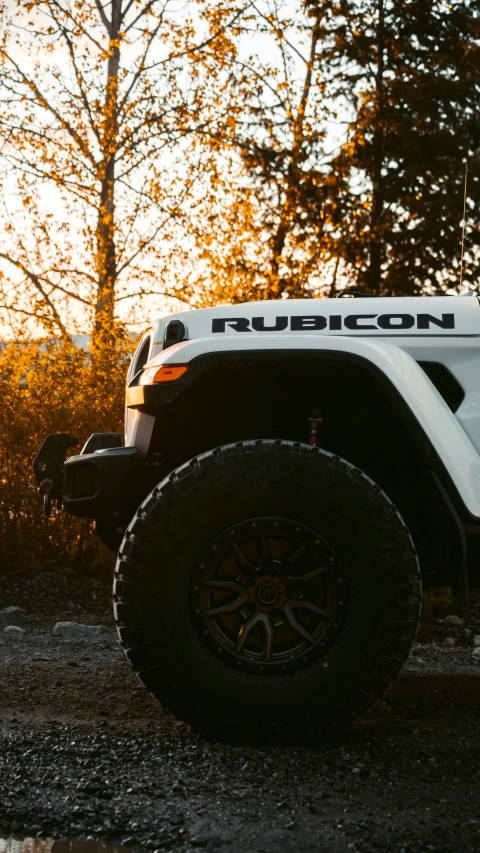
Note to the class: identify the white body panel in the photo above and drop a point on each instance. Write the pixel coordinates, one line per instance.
(432, 413)
(392, 333)
(466, 311)
(457, 348)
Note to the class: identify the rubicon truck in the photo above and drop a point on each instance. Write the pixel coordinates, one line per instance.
(291, 473)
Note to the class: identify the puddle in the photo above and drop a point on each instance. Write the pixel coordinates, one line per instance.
(50, 845)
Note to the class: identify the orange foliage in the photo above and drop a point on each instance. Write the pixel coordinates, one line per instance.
(52, 386)
(96, 188)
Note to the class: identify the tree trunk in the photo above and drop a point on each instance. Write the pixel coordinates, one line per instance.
(333, 286)
(374, 272)
(106, 260)
(297, 158)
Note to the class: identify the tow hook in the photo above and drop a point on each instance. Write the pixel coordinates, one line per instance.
(48, 468)
(45, 488)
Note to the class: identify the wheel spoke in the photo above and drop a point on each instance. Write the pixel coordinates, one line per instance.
(294, 558)
(266, 594)
(229, 606)
(226, 584)
(264, 554)
(290, 606)
(244, 562)
(306, 605)
(290, 616)
(308, 576)
(245, 631)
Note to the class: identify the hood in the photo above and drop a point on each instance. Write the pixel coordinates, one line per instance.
(369, 317)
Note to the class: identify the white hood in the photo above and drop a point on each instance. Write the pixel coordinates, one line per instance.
(420, 316)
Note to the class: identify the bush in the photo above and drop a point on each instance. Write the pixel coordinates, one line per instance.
(46, 387)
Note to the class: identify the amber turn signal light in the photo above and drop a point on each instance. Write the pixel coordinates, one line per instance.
(169, 374)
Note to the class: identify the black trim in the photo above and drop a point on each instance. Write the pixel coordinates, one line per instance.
(445, 382)
(174, 333)
(357, 294)
(93, 481)
(140, 357)
(101, 441)
(48, 467)
(460, 584)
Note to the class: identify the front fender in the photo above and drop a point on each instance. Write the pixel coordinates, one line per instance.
(436, 426)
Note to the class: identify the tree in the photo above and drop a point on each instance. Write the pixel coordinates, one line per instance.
(148, 153)
(278, 218)
(101, 110)
(350, 150)
(410, 72)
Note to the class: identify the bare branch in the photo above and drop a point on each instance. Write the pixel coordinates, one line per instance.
(141, 66)
(36, 281)
(140, 15)
(169, 294)
(43, 136)
(143, 245)
(43, 102)
(76, 22)
(78, 74)
(107, 24)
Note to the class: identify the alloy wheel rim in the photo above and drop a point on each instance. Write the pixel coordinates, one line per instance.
(270, 596)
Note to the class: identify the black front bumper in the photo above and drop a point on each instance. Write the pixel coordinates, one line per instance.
(93, 482)
(89, 485)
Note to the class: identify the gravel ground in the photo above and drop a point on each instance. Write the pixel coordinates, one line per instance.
(86, 753)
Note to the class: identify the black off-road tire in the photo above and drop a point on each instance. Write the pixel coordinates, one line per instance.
(368, 586)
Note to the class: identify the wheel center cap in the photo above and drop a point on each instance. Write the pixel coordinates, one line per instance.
(267, 593)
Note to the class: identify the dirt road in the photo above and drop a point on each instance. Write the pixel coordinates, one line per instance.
(86, 753)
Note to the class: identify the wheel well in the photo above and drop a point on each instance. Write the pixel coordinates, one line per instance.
(235, 400)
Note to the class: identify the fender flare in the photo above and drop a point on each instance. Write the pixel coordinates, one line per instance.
(441, 438)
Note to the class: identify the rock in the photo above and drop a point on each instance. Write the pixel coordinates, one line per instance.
(7, 611)
(454, 621)
(450, 642)
(476, 653)
(76, 631)
(204, 839)
(476, 640)
(13, 630)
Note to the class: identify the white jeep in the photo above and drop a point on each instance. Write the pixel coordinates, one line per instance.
(292, 472)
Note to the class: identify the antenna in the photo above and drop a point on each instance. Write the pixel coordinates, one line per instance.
(463, 225)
